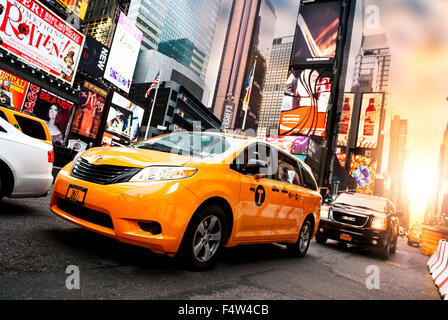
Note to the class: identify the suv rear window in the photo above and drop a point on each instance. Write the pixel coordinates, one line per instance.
(31, 128)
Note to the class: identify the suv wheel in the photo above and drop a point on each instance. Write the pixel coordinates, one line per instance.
(393, 248)
(321, 239)
(300, 248)
(204, 239)
(384, 252)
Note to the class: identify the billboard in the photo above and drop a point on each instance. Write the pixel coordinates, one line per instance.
(33, 33)
(125, 118)
(94, 57)
(78, 7)
(291, 144)
(54, 110)
(316, 33)
(370, 120)
(123, 54)
(89, 113)
(12, 90)
(363, 169)
(306, 103)
(346, 119)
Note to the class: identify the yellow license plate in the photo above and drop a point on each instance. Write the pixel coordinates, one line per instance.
(346, 237)
(76, 194)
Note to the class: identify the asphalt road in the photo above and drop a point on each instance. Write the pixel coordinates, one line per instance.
(36, 248)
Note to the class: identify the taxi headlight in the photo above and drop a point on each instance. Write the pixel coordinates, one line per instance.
(163, 174)
(325, 212)
(379, 223)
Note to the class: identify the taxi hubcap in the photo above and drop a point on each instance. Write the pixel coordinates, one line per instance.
(304, 238)
(207, 238)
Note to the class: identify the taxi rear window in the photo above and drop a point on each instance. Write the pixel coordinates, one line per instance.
(31, 128)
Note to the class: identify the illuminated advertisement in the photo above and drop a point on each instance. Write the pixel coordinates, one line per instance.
(316, 33)
(33, 33)
(293, 145)
(370, 120)
(305, 103)
(78, 7)
(341, 159)
(54, 110)
(125, 118)
(94, 57)
(12, 90)
(89, 113)
(123, 54)
(346, 119)
(363, 169)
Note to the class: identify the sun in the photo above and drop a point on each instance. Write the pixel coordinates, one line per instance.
(419, 179)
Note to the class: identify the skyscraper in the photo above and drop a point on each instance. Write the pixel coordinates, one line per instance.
(183, 30)
(372, 71)
(276, 77)
(248, 44)
(101, 18)
(397, 158)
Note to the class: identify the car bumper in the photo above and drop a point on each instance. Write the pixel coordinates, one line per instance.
(126, 205)
(34, 186)
(365, 237)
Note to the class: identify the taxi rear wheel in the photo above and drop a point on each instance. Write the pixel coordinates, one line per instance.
(300, 248)
(204, 239)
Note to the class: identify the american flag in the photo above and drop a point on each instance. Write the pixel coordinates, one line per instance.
(153, 85)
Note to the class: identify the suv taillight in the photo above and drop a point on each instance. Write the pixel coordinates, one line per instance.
(51, 157)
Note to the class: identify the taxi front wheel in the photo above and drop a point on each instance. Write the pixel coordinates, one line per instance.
(204, 239)
(300, 248)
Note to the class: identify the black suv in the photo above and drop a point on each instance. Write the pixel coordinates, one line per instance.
(362, 220)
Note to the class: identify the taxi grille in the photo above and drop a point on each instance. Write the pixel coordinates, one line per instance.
(350, 219)
(102, 174)
(86, 214)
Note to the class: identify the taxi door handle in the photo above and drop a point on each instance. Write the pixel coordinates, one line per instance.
(285, 191)
(275, 190)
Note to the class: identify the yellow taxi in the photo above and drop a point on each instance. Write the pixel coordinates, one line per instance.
(415, 234)
(29, 125)
(191, 194)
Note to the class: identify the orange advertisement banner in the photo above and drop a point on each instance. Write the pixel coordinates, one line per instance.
(12, 90)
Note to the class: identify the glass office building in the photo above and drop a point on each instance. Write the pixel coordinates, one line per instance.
(181, 29)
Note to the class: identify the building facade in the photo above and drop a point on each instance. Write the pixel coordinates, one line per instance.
(276, 77)
(101, 19)
(396, 165)
(248, 43)
(182, 30)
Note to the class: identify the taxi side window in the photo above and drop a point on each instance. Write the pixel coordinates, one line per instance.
(256, 151)
(308, 180)
(287, 171)
(31, 128)
(2, 130)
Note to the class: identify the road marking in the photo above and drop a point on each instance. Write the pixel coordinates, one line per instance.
(396, 264)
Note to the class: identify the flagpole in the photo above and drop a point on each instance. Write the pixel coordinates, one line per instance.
(246, 110)
(153, 104)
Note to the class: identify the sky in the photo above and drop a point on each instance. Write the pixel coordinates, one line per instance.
(417, 32)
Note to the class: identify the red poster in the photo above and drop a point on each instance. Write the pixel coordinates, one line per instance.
(33, 33)
(89, 113)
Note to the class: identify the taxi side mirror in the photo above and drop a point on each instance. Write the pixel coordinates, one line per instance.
(255, 166)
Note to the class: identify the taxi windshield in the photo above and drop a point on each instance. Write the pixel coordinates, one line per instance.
(361, 201)
(188, 144)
